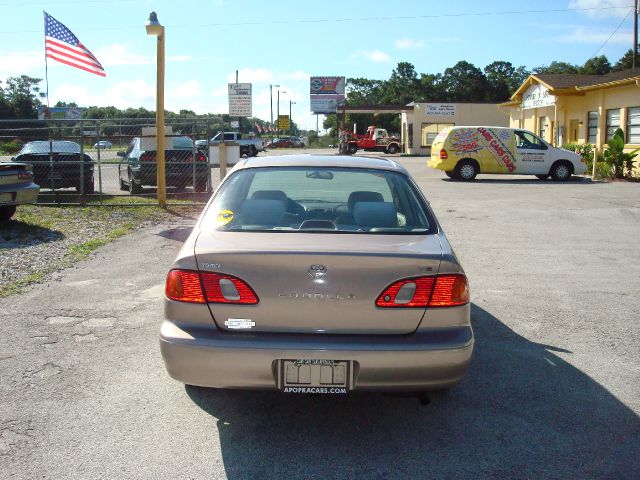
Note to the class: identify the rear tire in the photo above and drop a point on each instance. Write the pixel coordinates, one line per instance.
(201, 185)
(543, 177)
(134, 188)
(393, 148)
(561, 171)
(352, 148)
(7, 212)
(253, 151)
(466, 170)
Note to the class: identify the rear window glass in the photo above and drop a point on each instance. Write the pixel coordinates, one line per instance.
(341, 200)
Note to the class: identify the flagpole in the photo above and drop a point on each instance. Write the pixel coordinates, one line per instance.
(46, 65)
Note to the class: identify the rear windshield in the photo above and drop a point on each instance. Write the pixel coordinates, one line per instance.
(341, 200)
(41, 146)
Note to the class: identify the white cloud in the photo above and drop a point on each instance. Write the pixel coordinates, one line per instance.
(602, 8)
(17, 63)
(297, 75)
(134, 93)
(191, 88)
(409, 43)
(118, 54)
(589, 36)
(376, 56)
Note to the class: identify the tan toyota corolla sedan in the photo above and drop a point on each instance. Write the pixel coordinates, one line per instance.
(317, 274)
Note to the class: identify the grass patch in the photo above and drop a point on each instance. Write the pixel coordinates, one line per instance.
(13, 288)
(45, 239)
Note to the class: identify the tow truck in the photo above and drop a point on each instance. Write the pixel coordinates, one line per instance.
(375, 140)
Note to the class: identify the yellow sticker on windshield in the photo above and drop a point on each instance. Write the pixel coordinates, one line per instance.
(224, 217)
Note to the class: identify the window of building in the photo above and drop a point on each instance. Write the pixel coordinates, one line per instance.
(543, 127)
(410, 135)
(633, 125)
(613, 122)
(431, 130)
(592, 127)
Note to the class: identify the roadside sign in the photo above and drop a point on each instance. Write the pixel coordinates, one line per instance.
(64, 113)
(240, 99)
(235, 124)
(284, 122)
(327, 93)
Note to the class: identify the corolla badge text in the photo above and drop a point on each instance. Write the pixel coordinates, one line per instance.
(318, 296)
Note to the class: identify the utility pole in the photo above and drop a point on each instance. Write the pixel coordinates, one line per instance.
(635, 33)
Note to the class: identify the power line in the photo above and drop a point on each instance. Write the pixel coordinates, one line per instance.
(339, 20)
(612, 34)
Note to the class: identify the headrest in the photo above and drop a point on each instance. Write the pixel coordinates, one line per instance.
(363, 196)
(262, 212)
(269, 195)
(375, 214)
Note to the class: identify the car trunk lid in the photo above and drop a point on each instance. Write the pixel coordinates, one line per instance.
(318, 283)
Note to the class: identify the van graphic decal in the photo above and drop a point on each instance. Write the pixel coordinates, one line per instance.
(465, 140)
(496, 146)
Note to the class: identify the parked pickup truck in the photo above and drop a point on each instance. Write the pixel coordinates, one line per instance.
(248, 146)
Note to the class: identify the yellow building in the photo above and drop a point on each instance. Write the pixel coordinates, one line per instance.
(565, 108)
(421, 121)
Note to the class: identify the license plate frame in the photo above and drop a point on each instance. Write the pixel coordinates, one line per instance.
(320, 376)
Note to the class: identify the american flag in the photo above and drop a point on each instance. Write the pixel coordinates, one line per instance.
(63, 46)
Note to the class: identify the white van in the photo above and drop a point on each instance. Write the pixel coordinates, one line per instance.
(464, 152)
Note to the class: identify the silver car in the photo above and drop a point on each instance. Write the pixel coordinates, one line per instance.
(317, 274)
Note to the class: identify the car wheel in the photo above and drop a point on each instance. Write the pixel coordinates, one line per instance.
(561, 171)
(543, 177)
(466, 170)
(352, 148)
(450, 174)
(393, 148)
(123, 185)
(253, 151)
(88, 186)
(201, 185)
(7, 212)
(133, 186)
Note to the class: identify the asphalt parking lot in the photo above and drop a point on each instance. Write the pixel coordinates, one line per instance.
(553, 392)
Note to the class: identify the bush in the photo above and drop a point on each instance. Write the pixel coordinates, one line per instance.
(11, 147)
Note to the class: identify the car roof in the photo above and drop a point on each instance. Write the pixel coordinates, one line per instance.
(343, 161)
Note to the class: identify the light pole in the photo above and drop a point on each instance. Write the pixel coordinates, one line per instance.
(271, 101)
(154, 28)
(290, 122)
(283, 91)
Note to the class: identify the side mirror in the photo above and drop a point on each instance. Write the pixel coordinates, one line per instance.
(121, 154)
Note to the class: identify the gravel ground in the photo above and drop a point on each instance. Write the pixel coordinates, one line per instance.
(43, 240)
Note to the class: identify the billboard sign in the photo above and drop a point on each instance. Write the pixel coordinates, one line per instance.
(327, 93)
(240, 99)
(59, 113)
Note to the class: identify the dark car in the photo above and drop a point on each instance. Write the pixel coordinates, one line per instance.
(184, 165)
(284, 142)
(58, 164)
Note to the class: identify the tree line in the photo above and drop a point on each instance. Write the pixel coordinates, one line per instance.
(463, 82)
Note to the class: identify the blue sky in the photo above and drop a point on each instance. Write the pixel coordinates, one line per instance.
(285, 42)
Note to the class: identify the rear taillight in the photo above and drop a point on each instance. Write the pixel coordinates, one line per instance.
(205, 287)
(443, 154)
(201, 157)
(441, 291)
(25, 175)
(148, 157)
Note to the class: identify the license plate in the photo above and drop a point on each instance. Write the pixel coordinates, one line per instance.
(6, 197)
(314, 376)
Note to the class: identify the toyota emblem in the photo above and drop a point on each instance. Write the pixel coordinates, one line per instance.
(317, 271)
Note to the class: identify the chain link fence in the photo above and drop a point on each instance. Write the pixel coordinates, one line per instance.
(93, 161)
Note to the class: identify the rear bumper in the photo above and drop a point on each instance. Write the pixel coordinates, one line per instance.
(25, 194)
(429, 360)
